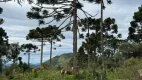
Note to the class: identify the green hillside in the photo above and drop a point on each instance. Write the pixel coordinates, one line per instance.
(58, 60)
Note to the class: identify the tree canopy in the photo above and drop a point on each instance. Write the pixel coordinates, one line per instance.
(28, 48)
(135, 30)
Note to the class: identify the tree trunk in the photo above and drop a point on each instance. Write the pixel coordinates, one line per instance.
(28, 59)
(102, 48)
(41, 53)
(0, 65)
(88, 46)
(14, 61)
(74, 35)
(88, 62)
(51, 53)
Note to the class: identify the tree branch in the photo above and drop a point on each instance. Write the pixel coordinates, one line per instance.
(67, 24)
(89, 13)
(51, 7)
(50, 21)
(64, 21)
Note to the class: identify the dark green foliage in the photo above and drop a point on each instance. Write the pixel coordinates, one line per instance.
(82, 58)
(99, 1)
(28, 48)
(22, 66)
(52, 2)
(94, 24)
(1, 20)
(3, 36)
(3, 42)
(92, 45)
(110, 28)
(3, 46)
(131, 50)
(135, 31)
(42, 12)
(1, 10)
(49, 34)
(45, 33)
(14, 51)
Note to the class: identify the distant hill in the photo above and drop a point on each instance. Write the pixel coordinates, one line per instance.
(57, 60)
(34, 65)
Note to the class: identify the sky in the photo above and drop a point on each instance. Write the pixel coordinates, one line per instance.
(17, 25)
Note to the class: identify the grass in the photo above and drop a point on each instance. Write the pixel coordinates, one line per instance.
(127, 71)
(51, 74)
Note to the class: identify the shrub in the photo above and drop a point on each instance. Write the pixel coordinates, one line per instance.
(10, 69)
(23, 67)
(130, 62)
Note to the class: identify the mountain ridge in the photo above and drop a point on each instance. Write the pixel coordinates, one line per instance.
(60, 59)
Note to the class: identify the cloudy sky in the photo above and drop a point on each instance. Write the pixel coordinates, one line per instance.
(17, 25)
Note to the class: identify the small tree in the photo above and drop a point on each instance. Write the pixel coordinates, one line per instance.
(13, 52)
(82, 57)
(28, 48)
(37, 35)
(54, 35)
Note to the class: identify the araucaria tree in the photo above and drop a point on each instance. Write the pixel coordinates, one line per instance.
(42, 11)
(13, 52)
(58, 9)
(101, 25)
(54, 35)
(3, 45)
(47, 34)
(28, 49)
(135, 34)
(135, 31)
(92, 44)
(3, 41)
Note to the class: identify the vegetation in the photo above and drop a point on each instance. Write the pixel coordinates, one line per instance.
(47, 34)
(60, 60)
(3, 42)
(103, 55)
(28, 48)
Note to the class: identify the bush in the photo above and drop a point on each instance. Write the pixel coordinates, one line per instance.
(130, 62)
(23, 67)
(10, 69)
(128, 71)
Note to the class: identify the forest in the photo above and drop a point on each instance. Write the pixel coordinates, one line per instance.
(104, 53)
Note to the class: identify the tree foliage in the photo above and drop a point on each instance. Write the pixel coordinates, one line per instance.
(13, 52)
(135, 31)
(49, 34)
(3, 42)
(92, 43)
(41, 11)
(46, 33)
(1, 20)
(28, 48)
(110, 29)
(131, 50)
